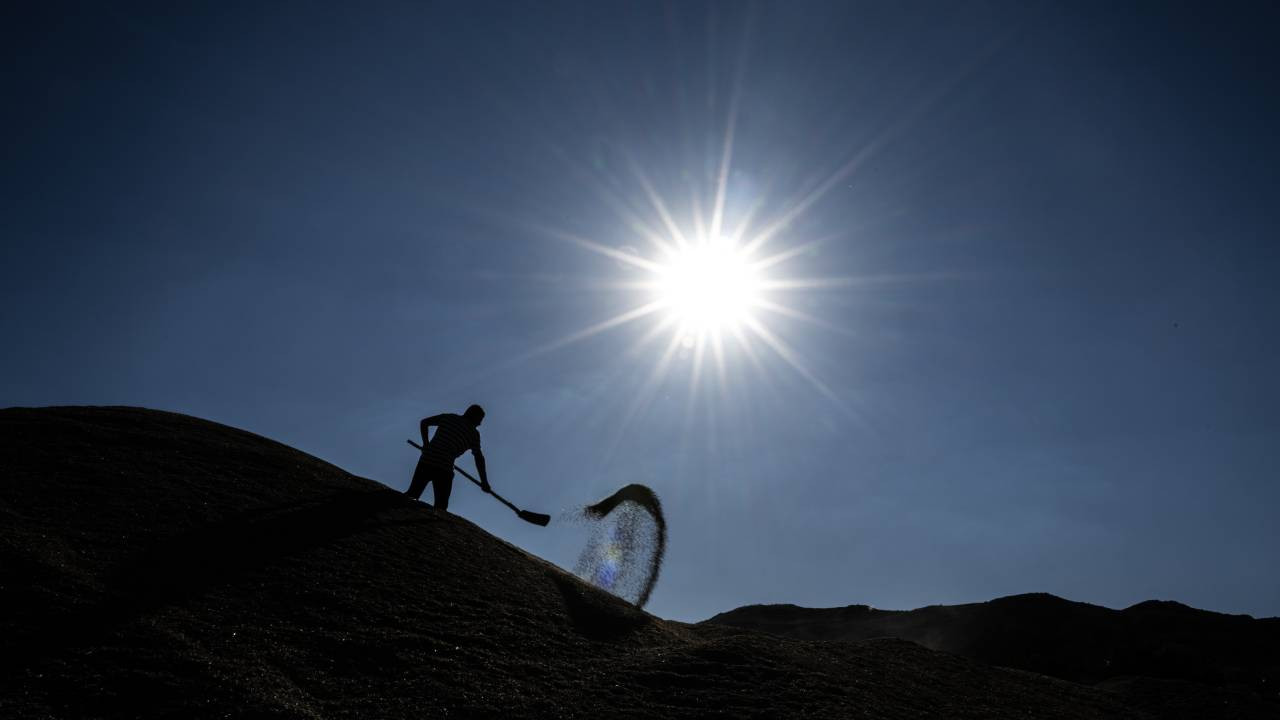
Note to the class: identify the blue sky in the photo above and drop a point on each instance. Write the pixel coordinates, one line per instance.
(1035, 249)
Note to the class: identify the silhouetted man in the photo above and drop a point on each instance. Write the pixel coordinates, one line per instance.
(455, 434)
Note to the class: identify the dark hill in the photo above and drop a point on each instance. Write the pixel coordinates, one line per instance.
(154, 564)
(1181, 650)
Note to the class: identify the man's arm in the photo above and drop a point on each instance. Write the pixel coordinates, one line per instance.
(426, 423)
(484, 476)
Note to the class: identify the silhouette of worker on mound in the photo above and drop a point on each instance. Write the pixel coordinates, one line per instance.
(455, 434)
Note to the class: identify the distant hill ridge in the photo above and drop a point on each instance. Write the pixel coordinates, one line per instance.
(1044, 633)
(154, 564)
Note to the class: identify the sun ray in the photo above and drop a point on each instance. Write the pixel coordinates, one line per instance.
(794, 314)
(789, 356)
(757, 363)
(717, 353)
(647, 385)
(883, 138)
(635, 285)
(848, 281)
(620, 319)
(745, 344)
(726, 155)
(699, 354)
(744, 224)
(607, 251)
(659, 207)
(783, 221)
(812, 197)
(644, 396)
(731, 124)
(699, 226)
(614, 200)
(784, 255)
(652, 334)
(814, 283)
(691, 400)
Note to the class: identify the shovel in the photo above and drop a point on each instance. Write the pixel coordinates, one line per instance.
(525, 515)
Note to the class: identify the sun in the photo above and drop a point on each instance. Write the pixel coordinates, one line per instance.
(709, 293)
(707, 286)
(715, 279)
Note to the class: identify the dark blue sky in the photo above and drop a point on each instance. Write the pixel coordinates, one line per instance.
(1049, 348)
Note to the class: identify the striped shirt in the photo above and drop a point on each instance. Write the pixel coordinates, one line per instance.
(454, 436)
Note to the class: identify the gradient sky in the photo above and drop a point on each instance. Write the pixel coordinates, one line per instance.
(1043, 357)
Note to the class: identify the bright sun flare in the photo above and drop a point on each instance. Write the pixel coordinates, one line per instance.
(713, 285)
(708, 287)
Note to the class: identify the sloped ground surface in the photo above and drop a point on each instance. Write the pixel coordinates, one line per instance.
(1168, 658)
(159, 565)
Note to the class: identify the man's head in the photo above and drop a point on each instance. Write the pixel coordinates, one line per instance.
(475, 414)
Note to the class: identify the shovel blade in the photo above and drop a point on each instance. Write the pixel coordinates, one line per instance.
(535, 518)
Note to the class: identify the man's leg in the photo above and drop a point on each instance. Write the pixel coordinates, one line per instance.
(443, 485)
(419, 482)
